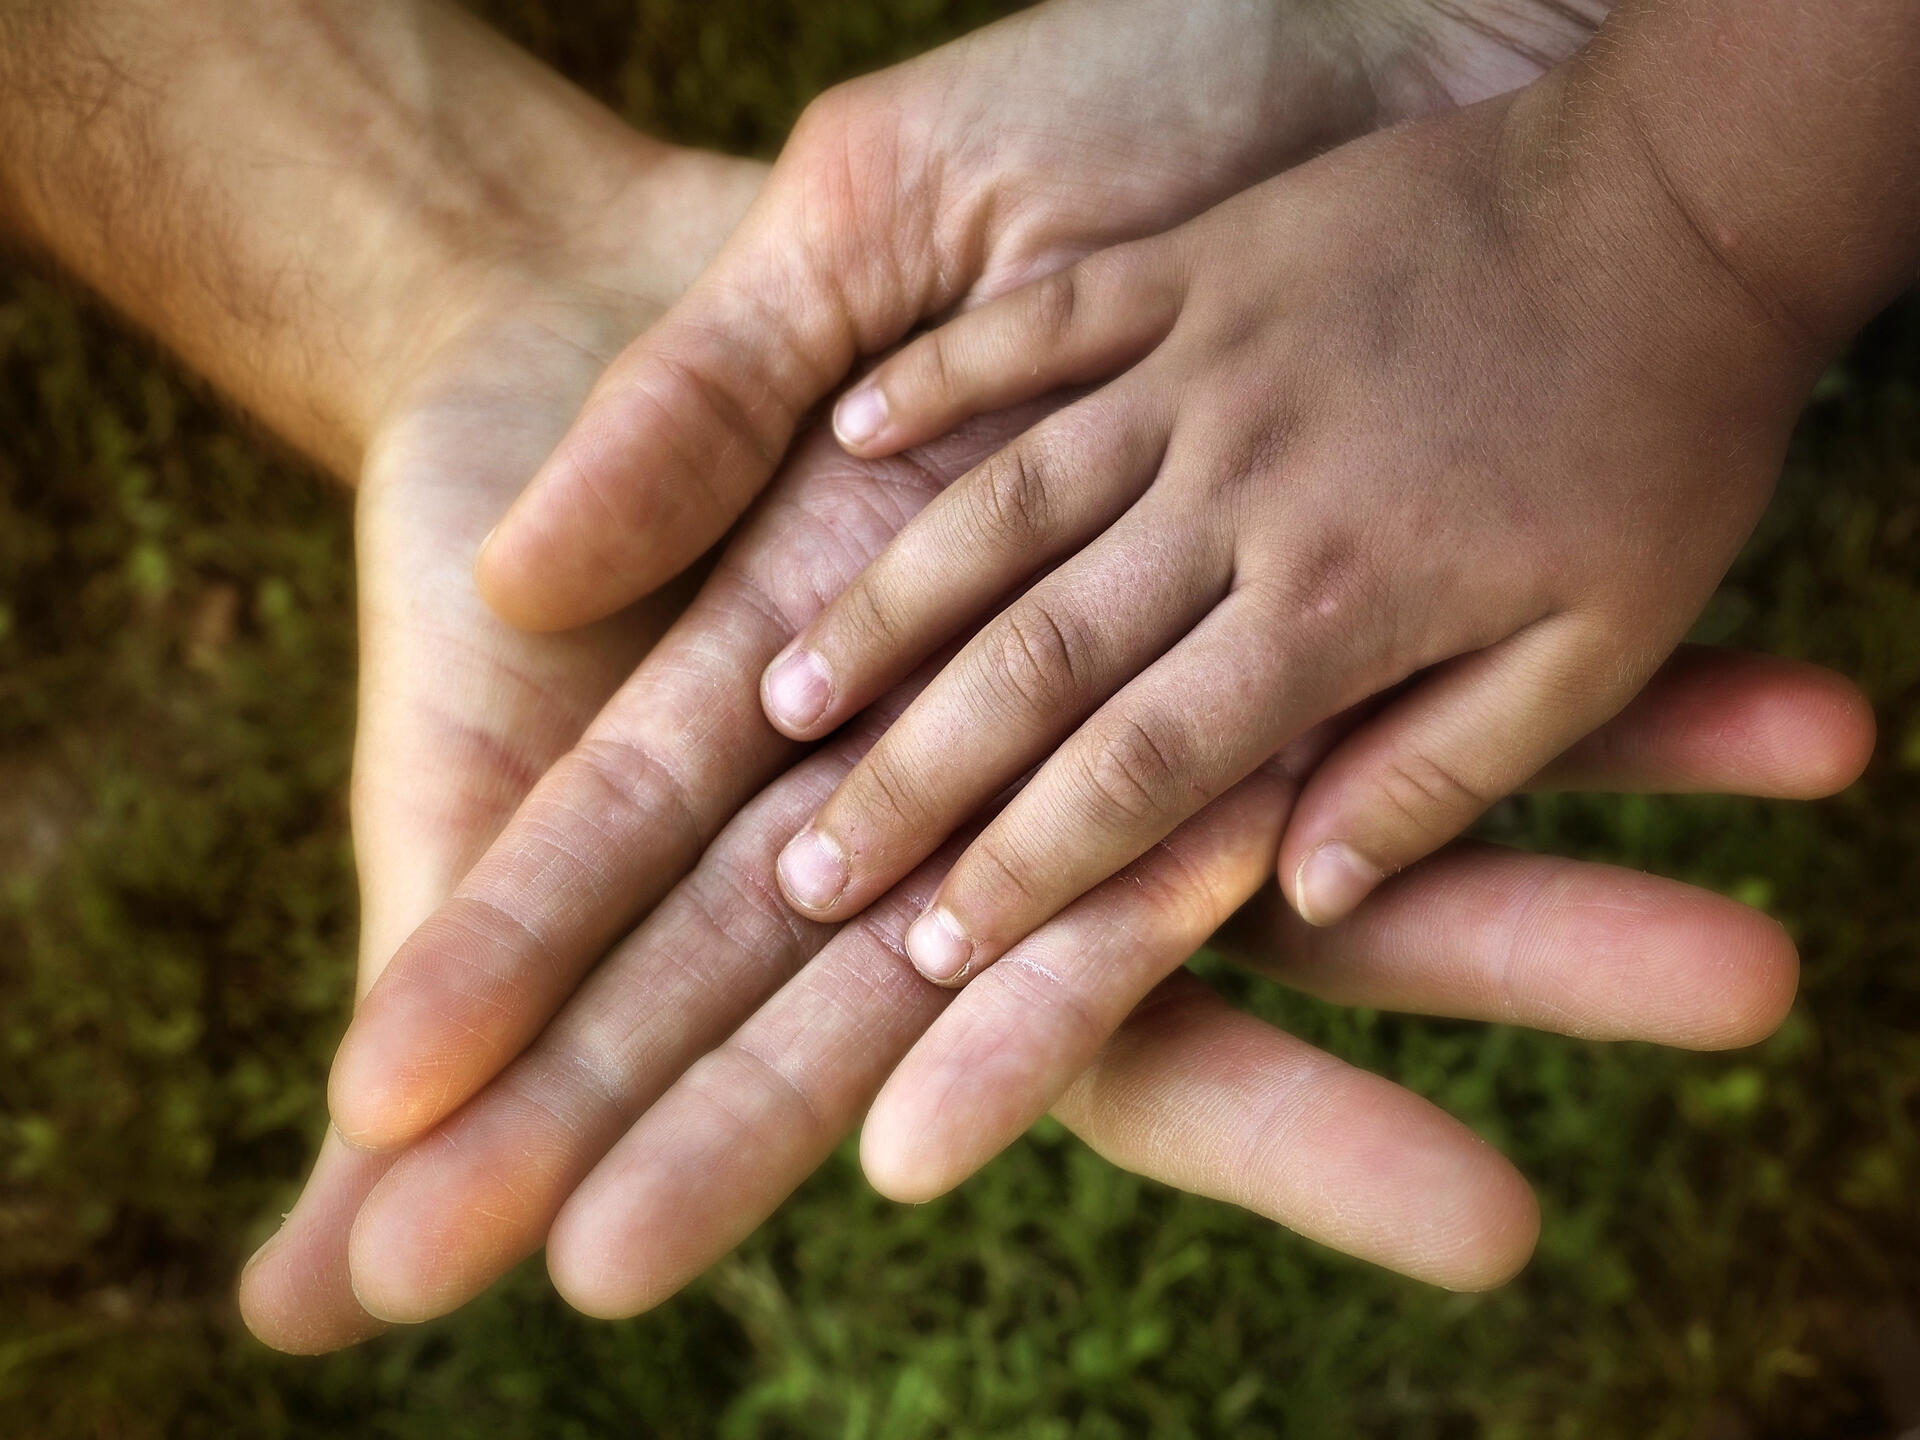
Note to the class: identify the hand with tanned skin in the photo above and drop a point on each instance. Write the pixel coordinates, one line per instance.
(437, 364)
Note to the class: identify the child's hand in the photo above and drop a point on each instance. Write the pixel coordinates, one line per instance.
(1423, 414)
(961, 175)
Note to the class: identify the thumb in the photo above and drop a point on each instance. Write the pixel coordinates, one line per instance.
(690, 422)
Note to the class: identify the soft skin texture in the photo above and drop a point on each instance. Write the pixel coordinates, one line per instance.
(1477, 410)
(460, 714)
(947, 180)
(657, 745)
(721, 1143)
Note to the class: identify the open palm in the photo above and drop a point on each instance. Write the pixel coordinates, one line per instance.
(462, 719)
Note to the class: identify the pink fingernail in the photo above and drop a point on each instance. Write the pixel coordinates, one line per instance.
(798, 689)
(1331, 882)
(859, 415)
(939, 948)
(813, 870)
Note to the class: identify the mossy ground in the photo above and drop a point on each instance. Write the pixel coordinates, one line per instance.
(1729, 1245)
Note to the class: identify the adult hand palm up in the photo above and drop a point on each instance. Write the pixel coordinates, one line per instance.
(494, 1112)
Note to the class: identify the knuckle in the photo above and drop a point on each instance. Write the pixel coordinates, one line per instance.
(1039, 658)
(865, 615)
(1431, 794)
(687, 403)
(743, 907)
(828, 118)
(934, 365)
(649, 791)
(1328, 594)
(1011, 502)
(886, 790)
(997, 877)
(1131, 773)
(1054, 302)
(1328, 578)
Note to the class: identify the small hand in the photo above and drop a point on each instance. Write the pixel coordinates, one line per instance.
(1389, 433)
(947, 180)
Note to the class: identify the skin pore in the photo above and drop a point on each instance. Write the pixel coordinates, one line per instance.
(438, 365)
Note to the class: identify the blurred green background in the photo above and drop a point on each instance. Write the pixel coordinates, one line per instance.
(1730, 1240)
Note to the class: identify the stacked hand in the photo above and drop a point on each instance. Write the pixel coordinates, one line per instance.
(717, 1052)
(644, 1119)
(1413, 464)
(604, 1028)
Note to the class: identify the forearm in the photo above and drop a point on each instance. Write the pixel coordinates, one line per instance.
(1778, 142)
(300, 197)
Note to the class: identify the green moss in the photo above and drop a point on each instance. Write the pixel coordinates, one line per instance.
(1723, 1233)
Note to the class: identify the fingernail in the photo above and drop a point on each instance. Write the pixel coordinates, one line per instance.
(939, 948)
(859, 415)
(798, 689)
(1331, 882)
(813, 870)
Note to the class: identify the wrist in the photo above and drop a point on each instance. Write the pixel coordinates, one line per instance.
(1771, 141)
(304, 200)
(1628, 263)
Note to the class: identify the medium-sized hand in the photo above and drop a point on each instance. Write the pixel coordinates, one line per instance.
(1389, 431)
(952, 178)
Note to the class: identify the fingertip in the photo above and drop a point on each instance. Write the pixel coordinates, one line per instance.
(294, 1294)
(1749, 969)
(392, 1266)
(273, 1305)
(507, 582)
(896, 1157)
(1735, 721)
(594, 530)
(813, 872)
(940, 948)
(1503, 1231)
(1839, 713)
(372, 1106)
(591, 1275)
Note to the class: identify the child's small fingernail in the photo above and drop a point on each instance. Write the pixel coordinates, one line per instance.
(1331, 882)
(939, 948)
(859, 415)
(813, 870)
(798, 689)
